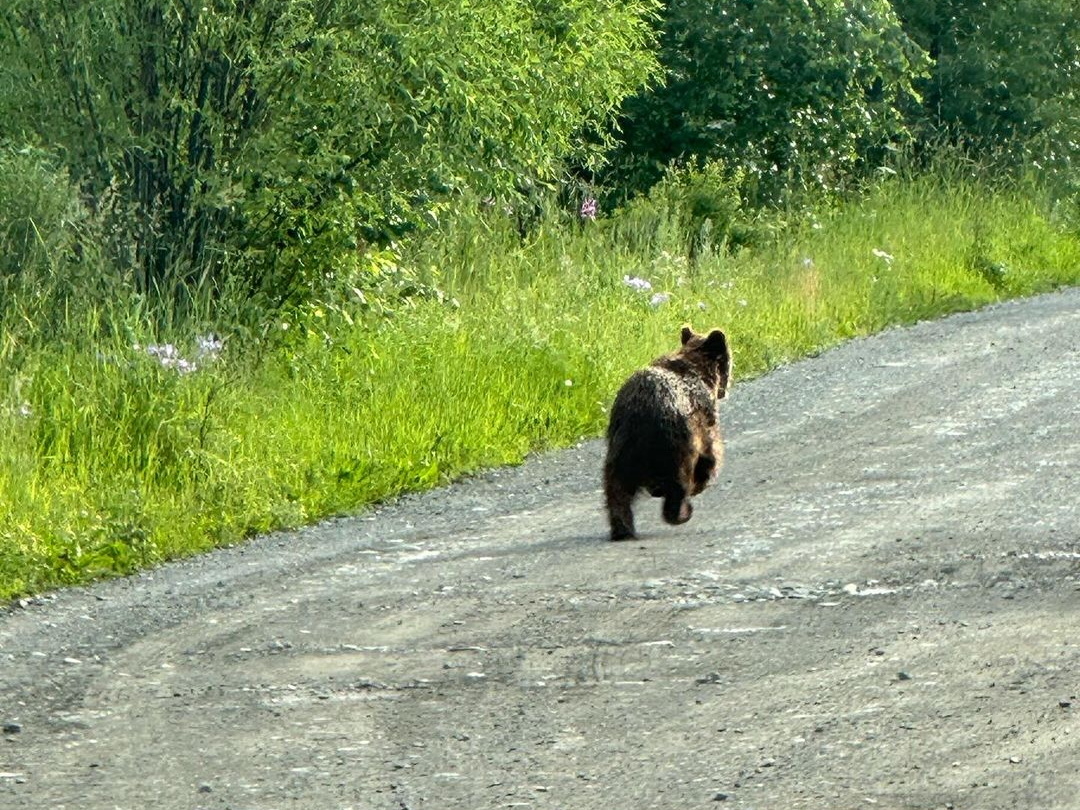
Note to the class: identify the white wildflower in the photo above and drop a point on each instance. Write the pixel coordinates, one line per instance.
(659, 298)
(636, 283)
(208, 347)
(169, 357)
(885, 257)
(160, 350)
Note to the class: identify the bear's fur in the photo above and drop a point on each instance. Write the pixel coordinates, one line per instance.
(664, 436)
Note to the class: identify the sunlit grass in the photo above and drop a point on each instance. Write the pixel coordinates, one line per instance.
(115, 460)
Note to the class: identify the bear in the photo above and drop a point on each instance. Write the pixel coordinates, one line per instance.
(664, 435)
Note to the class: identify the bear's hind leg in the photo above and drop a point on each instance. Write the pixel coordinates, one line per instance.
(620, 499)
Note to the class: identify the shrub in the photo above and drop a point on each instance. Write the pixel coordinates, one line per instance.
(270, 141)
(794, 94)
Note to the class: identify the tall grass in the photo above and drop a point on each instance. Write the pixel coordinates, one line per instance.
(118, 458)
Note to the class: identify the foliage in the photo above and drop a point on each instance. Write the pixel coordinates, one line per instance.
(1005, 75)
(277, 139)
(41, 217)
(700, 206)
(793, 93)
(48, 251)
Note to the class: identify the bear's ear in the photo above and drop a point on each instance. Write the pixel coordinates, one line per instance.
(715, 345)
(687, 333)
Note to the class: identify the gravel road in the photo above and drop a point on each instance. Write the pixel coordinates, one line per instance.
(876, 606)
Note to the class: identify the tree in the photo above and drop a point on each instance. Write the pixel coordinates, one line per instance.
(275, 139)
(1005, 76)
(788, 91)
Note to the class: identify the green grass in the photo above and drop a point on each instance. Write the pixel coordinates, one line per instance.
(114, 462)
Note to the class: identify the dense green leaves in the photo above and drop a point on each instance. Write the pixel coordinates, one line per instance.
(277, 138)
(809, 92)
(273, 145)
(789, 91)
(1006, 75)
(40, 215)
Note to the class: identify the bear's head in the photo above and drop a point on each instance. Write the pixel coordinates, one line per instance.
(710, 357)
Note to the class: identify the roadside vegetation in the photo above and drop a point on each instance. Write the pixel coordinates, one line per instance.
(249, 278)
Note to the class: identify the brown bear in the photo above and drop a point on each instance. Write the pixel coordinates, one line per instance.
(664, 436)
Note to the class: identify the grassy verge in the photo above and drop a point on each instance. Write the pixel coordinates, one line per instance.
(119, 457)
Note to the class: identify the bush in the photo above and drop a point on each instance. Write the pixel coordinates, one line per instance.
(692, 211)
(40, 217)
(270, 141)
(794, 94)
(1004, 75)
(48, 249)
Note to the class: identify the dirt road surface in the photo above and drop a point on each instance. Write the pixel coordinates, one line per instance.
(877, 606)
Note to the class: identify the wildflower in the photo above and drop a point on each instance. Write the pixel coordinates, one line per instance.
(588, 208)
(25, 411)
(659, 298)
(881, 254)
(169, 357)
(165, 352)
(568, 383)
(807, 262)
(208, 347)
(636, 283)
(702, 306)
